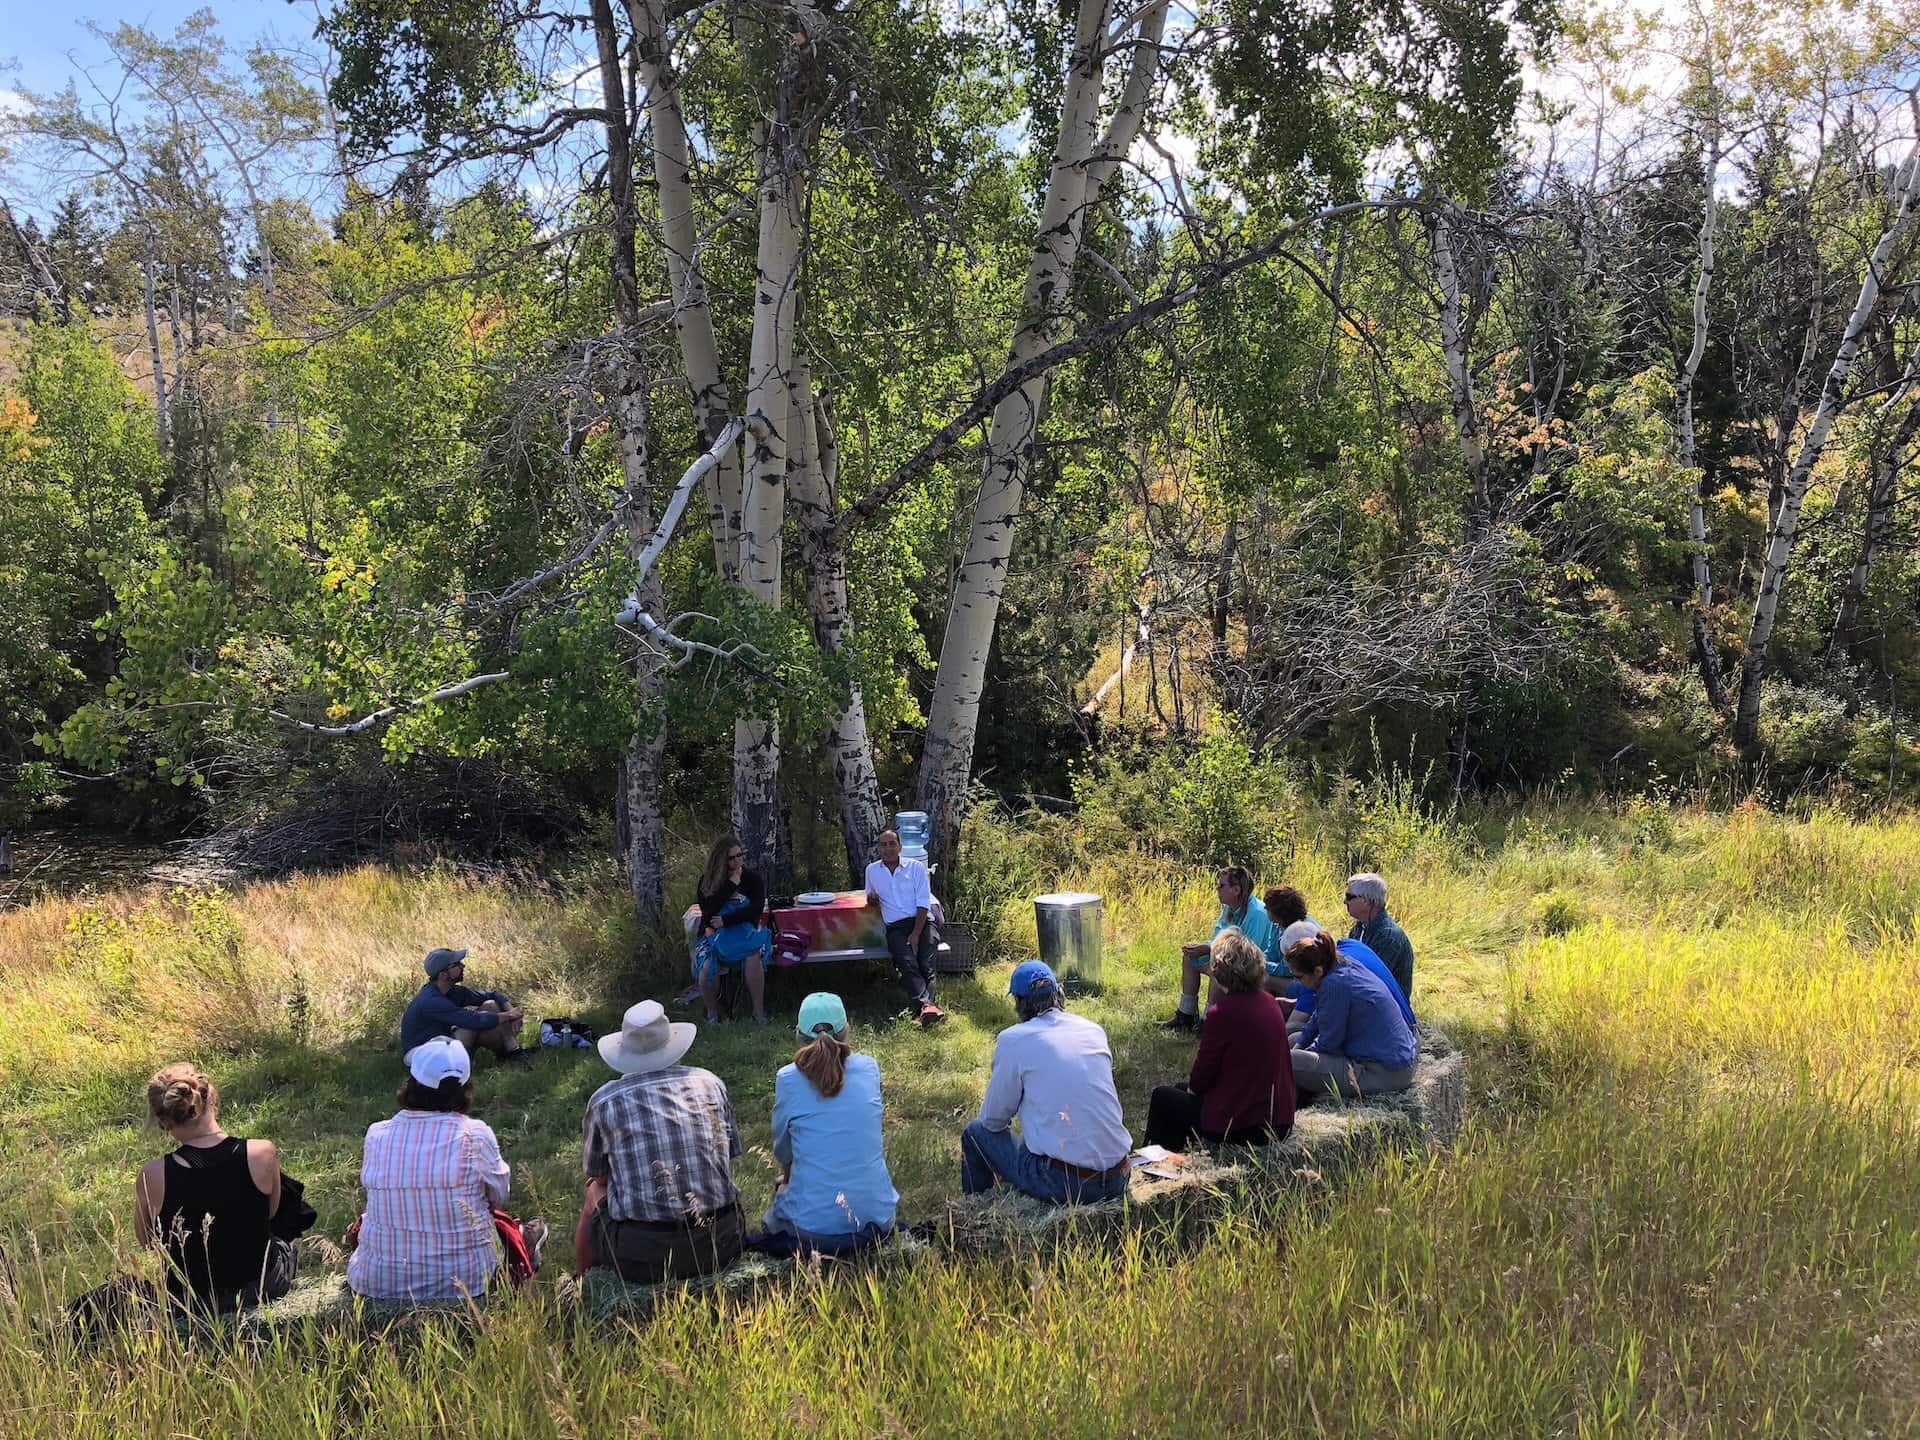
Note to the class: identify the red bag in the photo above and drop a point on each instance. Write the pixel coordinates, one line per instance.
(519, 1258)
(790, 947)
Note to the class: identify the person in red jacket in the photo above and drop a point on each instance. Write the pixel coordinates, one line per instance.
(1241, 1089)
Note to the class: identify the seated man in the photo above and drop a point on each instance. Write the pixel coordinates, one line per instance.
(1241, 909)
(1053, 1072)
(1304, 1000)
(445, 1008)
(902, 892)
(660, 1144)
(1379, 931)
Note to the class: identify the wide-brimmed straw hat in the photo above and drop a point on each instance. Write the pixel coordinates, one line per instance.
(647, 1040)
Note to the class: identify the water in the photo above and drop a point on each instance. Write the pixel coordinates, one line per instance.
(52, 860)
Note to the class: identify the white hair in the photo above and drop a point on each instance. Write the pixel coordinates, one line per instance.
(1368, 886)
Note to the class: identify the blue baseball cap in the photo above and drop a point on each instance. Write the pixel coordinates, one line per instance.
(1032, 977)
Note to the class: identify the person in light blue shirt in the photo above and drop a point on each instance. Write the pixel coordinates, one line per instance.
(1240, 909)
(837, 1195)
(1355, 1043)
(1304, 1000)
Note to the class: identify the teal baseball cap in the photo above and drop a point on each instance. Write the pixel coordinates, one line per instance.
(821, 1010)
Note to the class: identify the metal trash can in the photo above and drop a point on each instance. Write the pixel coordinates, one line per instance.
(1069, 926)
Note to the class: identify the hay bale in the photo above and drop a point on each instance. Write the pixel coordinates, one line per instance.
(1328, 1137)
(602, 1295)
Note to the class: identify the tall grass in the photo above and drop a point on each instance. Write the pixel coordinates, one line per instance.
(1684, 1203)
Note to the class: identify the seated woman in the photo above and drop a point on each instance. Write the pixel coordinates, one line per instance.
(1356, 1042)
(1358, 951)
(433, 1177)
(207, 1206)
(1240, 909)
(732, 899)
(1241, 1088)
(836, 1195)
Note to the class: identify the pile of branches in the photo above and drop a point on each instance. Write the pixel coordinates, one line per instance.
(469, 810)
(1328, 646)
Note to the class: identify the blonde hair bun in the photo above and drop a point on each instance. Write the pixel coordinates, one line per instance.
(180, 1095)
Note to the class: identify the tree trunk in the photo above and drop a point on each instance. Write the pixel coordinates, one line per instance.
(162, 414)
(1878, 527)
(1223, 591)
(44, 279)
(1779, 554)
(686, 282)
(1453, 349)
(1082, 162)
(771, 409)
(1705, 652)
(849, 751)
(640, 776)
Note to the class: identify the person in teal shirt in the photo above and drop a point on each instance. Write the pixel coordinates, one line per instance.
(837, 1195)
(1240, 909)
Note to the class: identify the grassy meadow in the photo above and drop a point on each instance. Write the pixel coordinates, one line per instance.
(1687, 1201)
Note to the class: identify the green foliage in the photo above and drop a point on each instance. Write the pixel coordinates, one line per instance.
(1558, 912)
(80, 474)
(1217, 806)
(1310, 92)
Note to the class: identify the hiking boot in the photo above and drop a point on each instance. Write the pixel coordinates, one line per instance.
(930, 1016)
(534, 1232)
(1182, 1023)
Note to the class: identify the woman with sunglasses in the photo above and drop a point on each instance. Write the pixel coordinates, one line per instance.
(732, 899)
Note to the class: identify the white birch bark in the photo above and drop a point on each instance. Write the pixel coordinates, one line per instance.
(1786, 523)
(692, 313)
(815, 477)
(1453, 349)
(770, 412)
(1683, 400)
(1082, 161)
(163, 414)
(640, 774)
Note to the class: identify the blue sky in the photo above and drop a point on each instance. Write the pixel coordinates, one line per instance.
(40, 34)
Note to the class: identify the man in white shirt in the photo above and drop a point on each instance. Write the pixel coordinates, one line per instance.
(1053, 1072)
(904, 896)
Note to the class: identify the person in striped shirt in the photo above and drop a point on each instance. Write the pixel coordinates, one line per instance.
(434, 1177)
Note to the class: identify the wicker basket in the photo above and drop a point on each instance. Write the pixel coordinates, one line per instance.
(957, 958)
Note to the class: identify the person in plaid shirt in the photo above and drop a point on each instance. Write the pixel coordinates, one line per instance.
(659, 1150)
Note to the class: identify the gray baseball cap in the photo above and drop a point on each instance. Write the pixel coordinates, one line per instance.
(438, 960)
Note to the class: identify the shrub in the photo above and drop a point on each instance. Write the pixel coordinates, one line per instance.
(1559, 911)
(1219, 815)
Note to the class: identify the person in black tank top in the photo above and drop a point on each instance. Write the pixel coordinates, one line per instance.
(208, 1206)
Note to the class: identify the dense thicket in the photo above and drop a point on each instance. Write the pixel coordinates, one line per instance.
(1560, 430)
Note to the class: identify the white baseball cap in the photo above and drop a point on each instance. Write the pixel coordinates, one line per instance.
(444, 1058)
(1295, 933)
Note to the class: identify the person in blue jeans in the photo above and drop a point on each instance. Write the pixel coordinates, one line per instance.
(836, 1195)
(1053, 1073)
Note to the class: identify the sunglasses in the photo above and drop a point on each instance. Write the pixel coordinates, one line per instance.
(1352, 897)
(741, 855)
